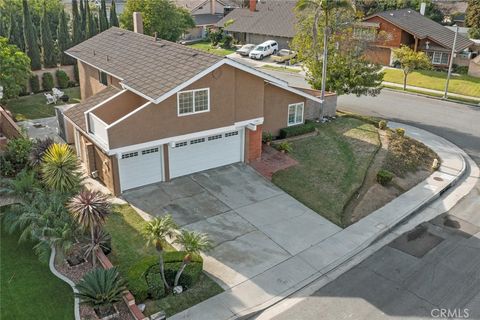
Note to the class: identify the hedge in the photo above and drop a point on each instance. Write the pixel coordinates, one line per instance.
(47, 81)
(34, 83)
(62, 79)
(297, 130)
(384, 177)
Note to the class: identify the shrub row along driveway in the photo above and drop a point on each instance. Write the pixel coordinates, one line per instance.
(254, 225)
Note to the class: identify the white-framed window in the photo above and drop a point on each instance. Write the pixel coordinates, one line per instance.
(180, 144)
(368, 34)
(147, 151)
(231, 134)
(215, 137)
(199, 140)
(295, 113)
(440, 57)
(193, 101)
(129, 155)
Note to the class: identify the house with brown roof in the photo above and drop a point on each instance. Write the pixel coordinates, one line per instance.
(262, 21)
(388, 30)
(153, 110)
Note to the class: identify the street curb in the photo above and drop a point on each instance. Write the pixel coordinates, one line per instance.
(51, 265)
(431, 97)
(339, 262)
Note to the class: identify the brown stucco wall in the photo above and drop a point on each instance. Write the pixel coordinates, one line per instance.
(119, 106)
(89, 80)
(393, 34)
(276, 101)
(248, 96)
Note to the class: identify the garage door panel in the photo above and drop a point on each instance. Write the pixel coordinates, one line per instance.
(205, 153)
(140, 168)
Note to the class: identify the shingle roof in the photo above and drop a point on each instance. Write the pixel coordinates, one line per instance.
(206, 19)
(423, 27)
(76, 113)
(273, 18)
(150, 67)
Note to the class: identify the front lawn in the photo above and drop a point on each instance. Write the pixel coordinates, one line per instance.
(280, 68)
(207, 47)
(35, 106)
(462, 84)
(332, 166)
(28, 290)
(129, 251)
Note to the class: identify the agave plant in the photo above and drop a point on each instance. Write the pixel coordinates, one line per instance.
(101, 289)
(38, 151)
(60, 168)
(156, 232)
(193, 243)
(89, 209)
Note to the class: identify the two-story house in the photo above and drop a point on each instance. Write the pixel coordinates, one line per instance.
(153, 110)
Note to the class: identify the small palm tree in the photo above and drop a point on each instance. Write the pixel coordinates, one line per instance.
(193, 243)
(101, 241)
(101, 289)
(60, 168)
(89, 209)
(22, 188)
(156, 232)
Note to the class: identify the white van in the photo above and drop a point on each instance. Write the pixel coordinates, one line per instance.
(263, 50)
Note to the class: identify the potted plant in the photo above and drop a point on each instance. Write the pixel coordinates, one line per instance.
(267, 138)
(101, 289)
(285, 147)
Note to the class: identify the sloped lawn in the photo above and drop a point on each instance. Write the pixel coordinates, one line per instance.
(28, 290)
(331, 166)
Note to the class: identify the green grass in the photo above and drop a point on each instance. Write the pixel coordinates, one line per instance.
(462, 84)
(28, 290)
(331, 166)
(207, 47)
(437, 95)
(129, 247)
(280, 68)
(35, 106)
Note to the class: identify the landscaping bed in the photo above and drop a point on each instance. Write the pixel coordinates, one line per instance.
(207, 47)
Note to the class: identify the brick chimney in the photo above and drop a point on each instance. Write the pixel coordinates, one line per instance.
(212, 6)
(253, 5)
(137, 22)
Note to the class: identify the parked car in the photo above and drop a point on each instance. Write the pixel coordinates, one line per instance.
(284, 55)
(263, 50)
(245, 49)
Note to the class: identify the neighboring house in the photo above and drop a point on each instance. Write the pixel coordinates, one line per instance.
(265, 20)
(474, 68)
(391, 29)
(205, 13)
(153, 110)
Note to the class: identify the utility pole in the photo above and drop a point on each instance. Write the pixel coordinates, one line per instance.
(445, 96)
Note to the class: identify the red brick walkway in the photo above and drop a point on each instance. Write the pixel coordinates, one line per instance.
(272, 161)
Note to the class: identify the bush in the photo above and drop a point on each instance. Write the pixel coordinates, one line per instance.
(72, 84)
(34, 83)
(267, 137)
(62, 79)
(382, 124)
(285, 146)
(16, 156)
(400, 132)
(227, 42)
(371, 120)
(47, 81)
(297, 130)
(384, 177)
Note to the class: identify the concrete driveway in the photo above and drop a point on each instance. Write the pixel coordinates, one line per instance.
(253, 224)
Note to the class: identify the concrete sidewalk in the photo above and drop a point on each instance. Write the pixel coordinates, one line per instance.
(307, 266)
(450, 94)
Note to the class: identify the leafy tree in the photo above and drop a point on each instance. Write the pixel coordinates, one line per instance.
(76, 24)
(472, 18)
(30, 35)
(89, 209)
(113, 15)
(103, 16)
(193, 243)
(15, 34)
(101, 289)
(156, 232)
(161, 16)
(347, 69)
(60, 169)
(91, 27)
(49, 57)
(63, 39)
(411, 60)
(14, 69)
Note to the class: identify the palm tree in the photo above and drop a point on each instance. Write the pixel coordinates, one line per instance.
(193, 243)
(60, 168)
(22, 188)
(89, 209)
(101, 289)
(156, 232)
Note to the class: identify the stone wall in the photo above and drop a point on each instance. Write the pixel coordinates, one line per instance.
(68, 70)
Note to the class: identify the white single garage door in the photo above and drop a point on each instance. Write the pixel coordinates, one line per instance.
(205, 153)
(140, 167)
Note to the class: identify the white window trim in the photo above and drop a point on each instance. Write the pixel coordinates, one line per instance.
(193, 101)
(440, 59)
(303, 112)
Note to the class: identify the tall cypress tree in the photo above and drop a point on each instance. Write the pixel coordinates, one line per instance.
(15, 35)
(103, 16)
(91, 25)
(3, 28)
(63, 39)
(30, 36)
(49, 57)
(76, 24)
(113, 15)
(83, 20)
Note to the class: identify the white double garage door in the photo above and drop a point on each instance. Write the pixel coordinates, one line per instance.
(146, 166)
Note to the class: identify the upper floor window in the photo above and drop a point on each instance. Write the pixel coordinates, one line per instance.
(102, 77)
(193, 101)
(295, 113)
(367, 34)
